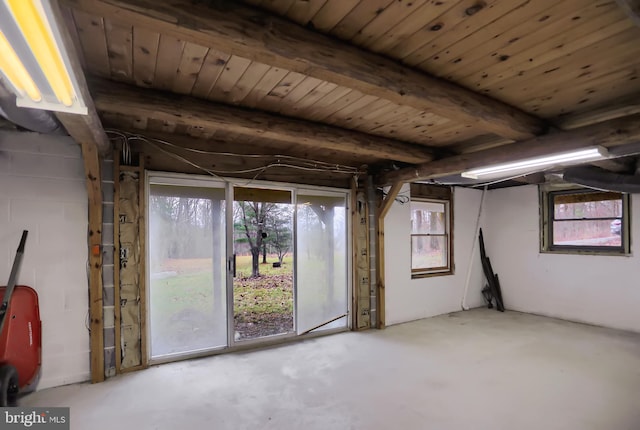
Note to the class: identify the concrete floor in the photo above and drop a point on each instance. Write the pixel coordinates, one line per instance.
(473, 370)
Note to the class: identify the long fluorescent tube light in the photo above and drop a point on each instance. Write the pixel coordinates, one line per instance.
(34, 61)
(573, 157)
(15, 72)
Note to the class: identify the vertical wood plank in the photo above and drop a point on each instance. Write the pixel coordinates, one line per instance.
(232, 71)
(192, 59)
(309, 99)
(116, 252)
(120, 48)
(214, 65)
(331, 13)
(385, 19)
(145, 52)
(142, 232)
(405, 28)
(301, 90)
(96, 318)
(355, 221)
(169, 56)
(273, 99)
(94, 42)
(247, 82)
(301, 11)
(384, 208)
(266, 84)
(358, 17)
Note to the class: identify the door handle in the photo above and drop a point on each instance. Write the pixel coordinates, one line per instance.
(231, 265)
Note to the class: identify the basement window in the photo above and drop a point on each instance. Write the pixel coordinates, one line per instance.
(585, 222)
(431, 227)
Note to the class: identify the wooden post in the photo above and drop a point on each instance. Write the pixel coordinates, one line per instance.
(116, 260)
(87, 131)
(384, 208)
(96, 321)
(142, 267)
(354, 257)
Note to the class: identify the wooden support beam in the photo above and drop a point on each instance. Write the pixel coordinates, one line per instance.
(87, 131)
(85, 128)
(608, 134)
(126, 100)
(382, 213)
(96, 321)
(632, 9)
(237, 167)
(82, 128)
(355, 223)
(117, 308)
(620, 108)
(259, 36)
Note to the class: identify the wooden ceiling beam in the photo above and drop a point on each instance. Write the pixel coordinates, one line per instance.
(611, 133)
(619, 108)
(84, 129)
(249, 169)
(254, 34)
(201, 147)
(127, 100)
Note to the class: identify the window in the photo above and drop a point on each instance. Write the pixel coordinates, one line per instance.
(431, 226)
(585, 221)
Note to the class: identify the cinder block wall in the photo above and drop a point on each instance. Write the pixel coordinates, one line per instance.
(42, 190)
(108, 260)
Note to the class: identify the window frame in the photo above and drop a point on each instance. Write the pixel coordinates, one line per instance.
(547, 218)
(432, 194)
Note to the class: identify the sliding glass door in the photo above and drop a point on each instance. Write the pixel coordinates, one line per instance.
(263, 263)
(322, 256)
(229, 264)
(187, 283)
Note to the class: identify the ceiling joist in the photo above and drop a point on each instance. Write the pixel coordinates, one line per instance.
(611, 133)
(84, 129)
(258, 36)
(125, 100)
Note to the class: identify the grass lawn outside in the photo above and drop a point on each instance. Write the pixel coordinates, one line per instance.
(183, 309)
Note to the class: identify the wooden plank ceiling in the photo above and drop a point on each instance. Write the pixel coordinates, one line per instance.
(555, 60)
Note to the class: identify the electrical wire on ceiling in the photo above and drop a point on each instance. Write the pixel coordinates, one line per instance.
(276, 160)
(401, 198)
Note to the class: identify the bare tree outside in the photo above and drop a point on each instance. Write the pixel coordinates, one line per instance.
(253, 218)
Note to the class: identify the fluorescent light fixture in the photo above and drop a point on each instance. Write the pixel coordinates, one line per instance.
(532, 164)
(33, 60)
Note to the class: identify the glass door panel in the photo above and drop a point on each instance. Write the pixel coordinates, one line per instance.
(187, 285)
(322, 255)
(263, 263)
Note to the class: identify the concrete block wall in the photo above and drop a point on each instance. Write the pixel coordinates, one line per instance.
(108, 258)
(42, 189)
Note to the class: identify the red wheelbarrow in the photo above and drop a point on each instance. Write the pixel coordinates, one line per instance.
(20, 336)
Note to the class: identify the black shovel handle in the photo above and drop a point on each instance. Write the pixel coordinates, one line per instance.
(23, 240)
(8, 292)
